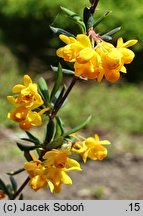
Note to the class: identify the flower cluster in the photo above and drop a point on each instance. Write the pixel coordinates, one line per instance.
(55, 164)
(92, 148)
(52, 171)
(27, 99)
(94, 58)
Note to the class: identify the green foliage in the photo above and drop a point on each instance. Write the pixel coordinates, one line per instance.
(127, 14)
(117, 109)
(8, 75)
(75, 17)
(37, 8)
(43, 88)
(57, 82)
(25, 26)
(79, 127)
(9, 189)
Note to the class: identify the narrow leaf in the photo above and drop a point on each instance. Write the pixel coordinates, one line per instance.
(102, 18)
(27, 155)
(88, 18)
(59, 31)
(44, 90)
(4, 187)
(58, 97)
(106, 37)
(78, 127)
(37, 144)
(115, 30)
(55, 143)
(21, 197)
(16, 172)
(25, 147)
(50, 132)
(75, 17)
(65, 71)
(59, 127)
(32, 137)
(58, 82)
(13, 183)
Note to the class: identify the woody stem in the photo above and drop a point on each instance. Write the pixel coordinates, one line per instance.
(53, 114)
(20, 189)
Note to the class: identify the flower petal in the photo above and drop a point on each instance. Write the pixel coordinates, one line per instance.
(51, 186)
(17, 88)
(123, 69)
(84, 40)
(72, 163)
(34, 118)
(85, 55)
(65, 178)
(27, 80)
(130, 43)
(66, 39)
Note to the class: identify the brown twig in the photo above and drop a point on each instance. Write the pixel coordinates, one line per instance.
(20, 189)
(53, 114)
(93, 6)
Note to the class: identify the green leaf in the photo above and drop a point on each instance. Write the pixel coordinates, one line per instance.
(16, 172)
(106, 37)
(113, 31)
(4, 188)
(102, 18)
(13, 183)
(59, 31)
(55, 143)
(88, 18)
(21, 197)
(66, 71)
(58, 97)
(44, 90)
(59, 127)
(50, 131)
(32, 137)
(37, 144)
(58, 82)
(27, 155)
(78, 127)
(25, 147)
(75, 17)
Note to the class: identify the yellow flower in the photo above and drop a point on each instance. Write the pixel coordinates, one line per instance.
(59, 159)
(28, 94)
(128, 55)
(82, 52)
(114, 58)
(55, 178)
(68, 52)
(52, 171)
(27, 100)
(37, 174)
(91, 148)
(25, 117)
(89, 69)
(96, 58)
(58, 164)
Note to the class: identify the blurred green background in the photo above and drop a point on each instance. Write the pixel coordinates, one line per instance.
(27, 45)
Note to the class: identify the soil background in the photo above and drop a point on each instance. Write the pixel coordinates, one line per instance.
(118, 177)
